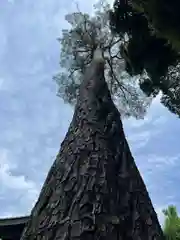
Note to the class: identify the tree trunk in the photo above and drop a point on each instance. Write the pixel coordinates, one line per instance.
(94, 189)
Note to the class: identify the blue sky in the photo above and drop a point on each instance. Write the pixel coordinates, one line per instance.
(34, 120)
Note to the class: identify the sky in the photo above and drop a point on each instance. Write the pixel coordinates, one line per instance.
(34, 120)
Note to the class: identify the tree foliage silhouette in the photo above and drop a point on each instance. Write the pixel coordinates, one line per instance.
(147, 52)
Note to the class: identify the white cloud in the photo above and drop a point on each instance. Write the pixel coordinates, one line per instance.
(22, 189)
(10, 1)
(9, 180)
(163, 161)
(3, 41)
(159, 121)
(133, 123)
(140, 133)
(140, 139)
(1, 83)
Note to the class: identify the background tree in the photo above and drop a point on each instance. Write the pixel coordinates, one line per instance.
(171, 226)
(163, 15)
(147, 53)
(77, 46)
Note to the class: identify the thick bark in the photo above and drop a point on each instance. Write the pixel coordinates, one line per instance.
(94, 189)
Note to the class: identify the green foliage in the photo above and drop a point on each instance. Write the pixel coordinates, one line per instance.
(144, 50)
(164, 16)
(171, 224)
(147, 52)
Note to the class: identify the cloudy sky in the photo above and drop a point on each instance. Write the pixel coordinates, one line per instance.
(34, 120)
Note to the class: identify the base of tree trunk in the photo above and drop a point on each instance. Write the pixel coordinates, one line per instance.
(94, 189)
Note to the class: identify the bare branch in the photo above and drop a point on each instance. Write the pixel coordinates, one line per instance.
(115, 78)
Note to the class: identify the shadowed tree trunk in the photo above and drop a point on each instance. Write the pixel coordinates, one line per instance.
(94, 189)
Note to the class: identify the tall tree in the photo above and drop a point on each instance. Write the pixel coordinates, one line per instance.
(94, 189)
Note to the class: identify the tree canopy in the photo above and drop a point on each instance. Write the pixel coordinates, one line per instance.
(140, 62)
(77, 46)
(164, 16)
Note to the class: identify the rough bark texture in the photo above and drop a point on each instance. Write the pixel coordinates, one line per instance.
(94, 189)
